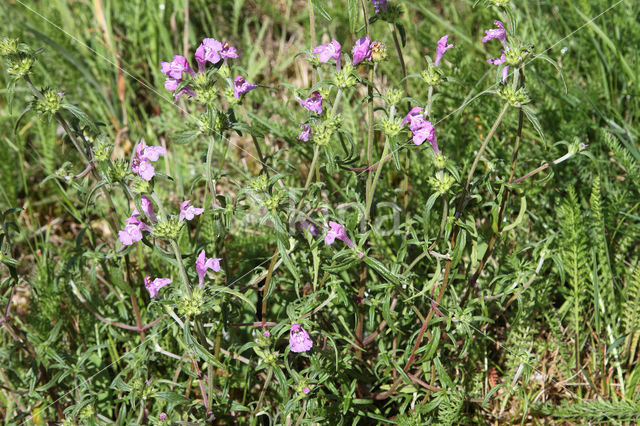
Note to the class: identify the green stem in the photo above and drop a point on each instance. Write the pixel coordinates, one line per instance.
(210, 185)
(370, 136)
(372, 189)
(174, 245)
(375, 181)
(484, 145)
(264, 389)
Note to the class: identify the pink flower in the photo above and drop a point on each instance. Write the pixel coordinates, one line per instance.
(306, 390)
(313, 103)
(499, 61)
(208, 51)
(421, 128)
(132, 231)
(339, 232)
(155, 285)
(228, 51)
(299, 340)
(211, 50)
(304, 136)
(162, 416)
(362, 50)
(305, 225)
(415, 118)
(147, 208)
(380, 5)
(498, 33)
(188, 211)
(442, 48)
(203, 263)
(241, 86)
(266, 333)
(171, 84)
(141, 163)
(329, 51)
(175, 68)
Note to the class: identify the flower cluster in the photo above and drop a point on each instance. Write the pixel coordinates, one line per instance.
(380, 5)
(133, 230)
(500, 34)
(178, 72)
(421, 128)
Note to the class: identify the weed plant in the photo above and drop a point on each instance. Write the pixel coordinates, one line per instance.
(306, 212)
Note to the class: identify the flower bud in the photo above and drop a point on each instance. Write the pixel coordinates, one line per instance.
(432, 75)
(224, 71)
(191, 306)
(345, 78)
(393, 97)
(20, 67)
(442, 182)
(118, 170)
(378, 52)
(49, 105)
(168, 229)
(141, 186)
(8, 46)
(391, 127)
(439, 161)
(515, 98)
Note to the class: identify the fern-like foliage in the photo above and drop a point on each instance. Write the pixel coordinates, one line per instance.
(574, 255)
(624, 157)
(606, 284)
(632, 312)
(593, 410)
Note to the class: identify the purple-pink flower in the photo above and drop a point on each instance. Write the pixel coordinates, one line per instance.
(241, 86)
(338, 232)
(266, 333)
(499, 61)
(362, 50)
(132, 231)
(187, 211)
(308, 226)
(313, 103)
(299, 340)
(211, 50)
(441, 49)
(141, 163)
(329, 51)
(154, 286)
(163, 416)
(379, 5)
(421, 128)
(203, 263)
(306, 390)
(147, 208)
(498, 33)
(175, 68)
(304, 135)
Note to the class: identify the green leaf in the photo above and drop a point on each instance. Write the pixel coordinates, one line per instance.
(377, 266)
(518, 221)
(186, 137)
(403, 34)
(352, 9)
(320, 9)
(235, 293)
